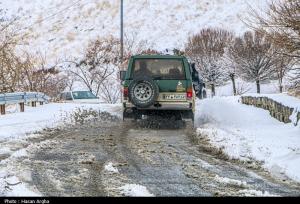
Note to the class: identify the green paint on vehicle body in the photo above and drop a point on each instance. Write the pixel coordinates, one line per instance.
(163, 84)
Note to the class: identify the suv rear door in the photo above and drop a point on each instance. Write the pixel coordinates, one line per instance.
(169, 74)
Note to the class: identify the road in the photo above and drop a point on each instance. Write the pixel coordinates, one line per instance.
(168, 161)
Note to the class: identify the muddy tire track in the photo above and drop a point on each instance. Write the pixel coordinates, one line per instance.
(70, 161)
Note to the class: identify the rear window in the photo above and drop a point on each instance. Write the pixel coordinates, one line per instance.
(159, 68)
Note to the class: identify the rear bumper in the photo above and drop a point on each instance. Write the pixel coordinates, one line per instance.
(179, 112)
(163, 106)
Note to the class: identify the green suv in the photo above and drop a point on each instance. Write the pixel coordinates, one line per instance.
(158, 84)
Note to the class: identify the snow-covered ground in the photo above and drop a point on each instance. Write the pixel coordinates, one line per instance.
(64, 27)
(245, 132)
(17, 125)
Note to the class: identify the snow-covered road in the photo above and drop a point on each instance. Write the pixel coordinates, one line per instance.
(121, 160)
(126, 159)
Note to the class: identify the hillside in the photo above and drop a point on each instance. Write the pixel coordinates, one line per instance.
(63, 27)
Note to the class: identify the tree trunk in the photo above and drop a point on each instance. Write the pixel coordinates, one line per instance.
(258, 86)
(280, 86)
(213, 90)
(233, 84)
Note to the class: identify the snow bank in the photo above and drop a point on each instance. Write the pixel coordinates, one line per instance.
(246, 133)
(134, 190)
(17, 125)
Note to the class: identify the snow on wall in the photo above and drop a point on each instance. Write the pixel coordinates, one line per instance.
(283, 98)
(286, 101)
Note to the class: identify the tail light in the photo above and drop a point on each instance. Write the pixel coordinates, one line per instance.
(125, 93)
(189, 93)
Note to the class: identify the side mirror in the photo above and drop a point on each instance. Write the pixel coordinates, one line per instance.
(122, 75)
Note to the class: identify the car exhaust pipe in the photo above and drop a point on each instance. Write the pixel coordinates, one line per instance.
(157, 105)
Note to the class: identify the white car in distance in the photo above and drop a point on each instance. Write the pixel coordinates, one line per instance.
(79, 97)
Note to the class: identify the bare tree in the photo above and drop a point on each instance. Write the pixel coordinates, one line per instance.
(70, 82)
(251, 53)
(207, 49)
(295, 80)
(29, 74)
(231, 68)
(281, 23)
(282, 18)
(282, 64)
(133, 46)
(242, 88)
(8, 31)
(38, 76)
(24, 72)
(111, 91)
(232, 75)
(98, 64)
(9, 72)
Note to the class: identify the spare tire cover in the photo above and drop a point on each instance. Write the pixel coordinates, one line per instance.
(143, 92)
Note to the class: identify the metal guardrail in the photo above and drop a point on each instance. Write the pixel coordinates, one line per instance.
(22, 98)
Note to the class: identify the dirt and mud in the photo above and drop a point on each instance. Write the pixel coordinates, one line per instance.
(166, 157)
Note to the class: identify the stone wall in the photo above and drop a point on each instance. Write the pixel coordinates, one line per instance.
(276, 109)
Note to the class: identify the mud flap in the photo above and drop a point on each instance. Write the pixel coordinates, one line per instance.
(127, 115)
(188, 118)
(189, 124)
(130, 115)
(187, 115)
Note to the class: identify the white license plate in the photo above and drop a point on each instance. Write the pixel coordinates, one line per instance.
(174, 97)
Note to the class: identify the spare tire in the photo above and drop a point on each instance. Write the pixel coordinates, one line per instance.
(143, 92)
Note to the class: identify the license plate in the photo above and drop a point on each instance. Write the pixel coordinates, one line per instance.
(174, 97)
